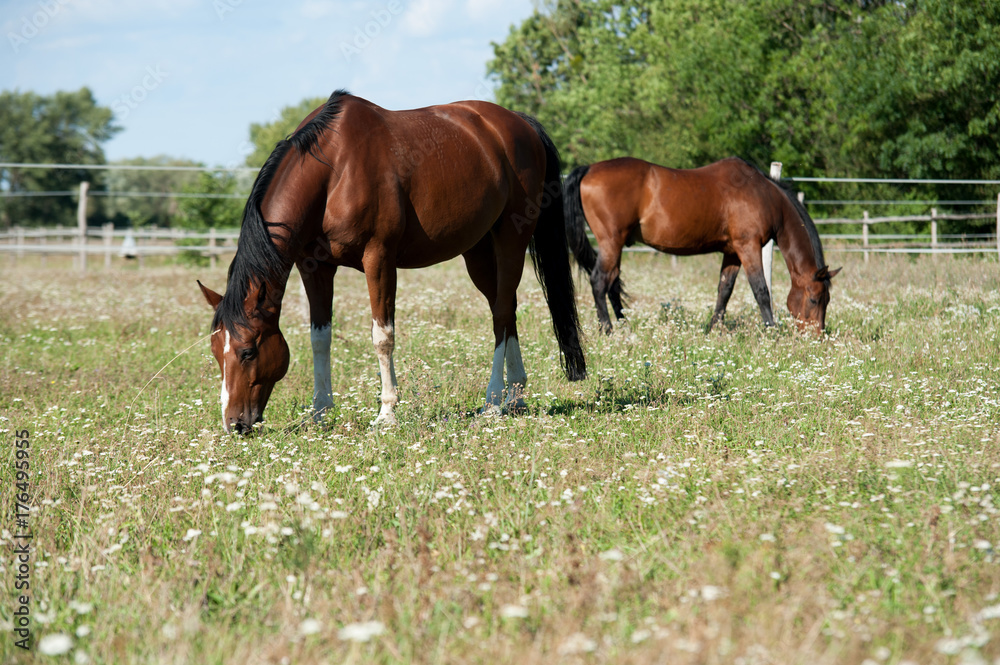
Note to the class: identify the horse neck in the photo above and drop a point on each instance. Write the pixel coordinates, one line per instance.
(794, 241)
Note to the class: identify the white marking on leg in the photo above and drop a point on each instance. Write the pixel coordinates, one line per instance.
(225, 388)
(384, 339)
(494, 391)
(322, 383)
(517, 378)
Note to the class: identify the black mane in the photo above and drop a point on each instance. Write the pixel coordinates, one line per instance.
(257, 258)
(810, 226)
(807, 221)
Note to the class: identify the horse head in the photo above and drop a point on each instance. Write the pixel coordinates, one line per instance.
(252, 355)
(808, 299)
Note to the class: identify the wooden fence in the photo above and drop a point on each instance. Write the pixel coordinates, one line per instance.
(112, 244)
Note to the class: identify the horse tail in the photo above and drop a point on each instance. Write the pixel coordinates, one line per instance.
(550, 256)
(576, 221)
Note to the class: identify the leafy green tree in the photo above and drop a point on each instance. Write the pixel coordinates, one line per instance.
(66, 127)
(151, 210)
(222, 207)
(848, 87)
(264, 136)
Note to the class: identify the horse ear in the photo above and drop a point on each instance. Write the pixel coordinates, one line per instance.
(825, 273)
(211, 296)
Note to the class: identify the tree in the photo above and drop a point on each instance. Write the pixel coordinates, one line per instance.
(67, 127)
(142, 210)
(860, 88)
(265, 136)
(223, 207)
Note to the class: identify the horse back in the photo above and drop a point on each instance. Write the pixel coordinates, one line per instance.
(706, 209)
(426, 183)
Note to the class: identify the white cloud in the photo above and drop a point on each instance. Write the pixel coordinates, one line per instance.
(426, 17)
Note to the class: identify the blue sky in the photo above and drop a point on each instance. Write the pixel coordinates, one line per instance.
(187, 77)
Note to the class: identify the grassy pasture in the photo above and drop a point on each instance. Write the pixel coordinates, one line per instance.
(747, 497)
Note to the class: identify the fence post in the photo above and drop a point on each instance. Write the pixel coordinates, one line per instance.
(934, 242)
(212, 259)
(998, 226)
(767, 252)
(109, 234)
(864, 234)
(19, 232)
(81, 222)
(43, 240)
(59, 238)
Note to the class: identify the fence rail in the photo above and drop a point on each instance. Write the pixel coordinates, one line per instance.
(141, 243)
(112, 243)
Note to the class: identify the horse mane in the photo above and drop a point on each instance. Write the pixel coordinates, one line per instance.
(257, 257)
(807, 221)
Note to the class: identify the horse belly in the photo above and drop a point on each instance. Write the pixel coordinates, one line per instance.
(684, 239)
(445, 226)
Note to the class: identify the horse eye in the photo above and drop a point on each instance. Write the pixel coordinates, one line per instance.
(814, 301)
(248, 354)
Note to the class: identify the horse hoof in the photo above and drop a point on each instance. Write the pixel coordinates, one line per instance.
(491, 411)
(384, 421)
(515, 406)
(320, 414)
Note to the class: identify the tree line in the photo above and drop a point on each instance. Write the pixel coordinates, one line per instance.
(857, 88)
(71, 128)
(850, 88)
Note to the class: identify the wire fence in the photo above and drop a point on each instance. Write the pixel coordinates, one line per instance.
(111, 244)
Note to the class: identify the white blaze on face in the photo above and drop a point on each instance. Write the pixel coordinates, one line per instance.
(225, 388)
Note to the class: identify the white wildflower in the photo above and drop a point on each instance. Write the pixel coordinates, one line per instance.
(55, 644)
(309, 627)
(80, 607)
(577, 643)
(361, 632)
(710, 593)
(513, 612)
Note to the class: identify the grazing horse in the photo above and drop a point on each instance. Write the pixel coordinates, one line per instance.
(375, 190)
(729, 207)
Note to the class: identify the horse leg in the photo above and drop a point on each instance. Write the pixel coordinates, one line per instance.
(755, 274)
(727, 280)
(318, 281)
(615, 296)
(604, 277)
(380, 274)
(496, 276)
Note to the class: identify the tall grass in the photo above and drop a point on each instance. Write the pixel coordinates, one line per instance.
(748, 496)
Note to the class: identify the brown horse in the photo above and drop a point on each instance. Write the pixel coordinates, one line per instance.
(729, 207)
(378, 190)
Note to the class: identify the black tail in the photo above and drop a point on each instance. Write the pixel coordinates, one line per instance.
(576, 221)
(550, 255)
